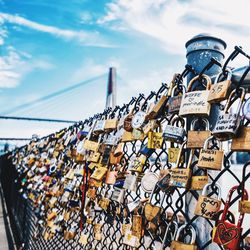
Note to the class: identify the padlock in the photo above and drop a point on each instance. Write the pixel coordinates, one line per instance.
(137, 226)
(198, 181)
(174, 132)
(244, 205)
(138, 119)
(156, 109)
(150, 126)
(131, 240)
(146, 151)
(130, 182)
(99, 173)
(219, 90)
(207, 206)
(94, 157)
(99, 126)
(177, 245)
(241, 143)
(163, 182)
(197, 138)
(111, 176)
(226, 233)
(118, 151)
(115, 159)
(169, 235)
(137, 163)
(173, 154)
(98, 230)
(195, 102)
(211, 158)
(181, 177)
(105, 154)
(117, 195)
(129, 136)
(149, 180)
(104, 202)
(126, 227)
(111, 124)
(152, 212)
(228, 123)
(174, 102)
(91, 145)
(71, 233)
(155, 140)
(127, 123)
(83, 240)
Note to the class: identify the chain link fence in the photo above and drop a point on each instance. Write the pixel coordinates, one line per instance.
(44, 217)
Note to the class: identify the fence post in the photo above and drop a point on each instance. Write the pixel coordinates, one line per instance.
(200, 49)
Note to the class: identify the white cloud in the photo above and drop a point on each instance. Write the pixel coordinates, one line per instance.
(86, 38)
(174, 22)
(15, 65)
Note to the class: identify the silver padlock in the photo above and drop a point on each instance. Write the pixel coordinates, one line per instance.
(130, 182)
(118, 195)
(169, 235)
(177, 245)
(133, 205)
(173, 132)
(228, 123)
(149, 180)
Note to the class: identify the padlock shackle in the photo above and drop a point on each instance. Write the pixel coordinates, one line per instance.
(209, 139)
(180, 153)
(183, 91)
(230, 100)
(227, 205)
(203, 76)
(205, 188)
(193, 233)
(176, 120)
(244, 175)
(173, 235)
(205, 120)
(229, 75)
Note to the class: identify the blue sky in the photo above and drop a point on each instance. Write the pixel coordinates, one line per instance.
(49, 45)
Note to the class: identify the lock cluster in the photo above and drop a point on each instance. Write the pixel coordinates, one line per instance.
(128, 176)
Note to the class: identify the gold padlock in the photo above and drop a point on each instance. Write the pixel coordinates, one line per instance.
(195, 102)
(244, 207)
(177, 245)
(91, 145)
(241, 142)
(211, 158)
(219, 90)
(111, 124)
(155, 140)
(99, 173)
(137, 226)
(173, 154)
(196, 139)
(180, 177)
(198, 182)
(83, 239)
(206, 206)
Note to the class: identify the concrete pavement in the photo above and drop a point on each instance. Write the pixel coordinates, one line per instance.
(6, 236)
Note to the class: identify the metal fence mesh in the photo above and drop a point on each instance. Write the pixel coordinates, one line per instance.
(29, 218)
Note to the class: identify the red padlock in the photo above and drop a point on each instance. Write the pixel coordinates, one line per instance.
(226, 233)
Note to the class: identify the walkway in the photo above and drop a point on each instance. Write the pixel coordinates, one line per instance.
(4, 229)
